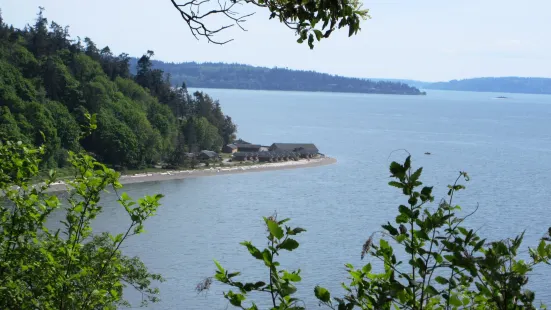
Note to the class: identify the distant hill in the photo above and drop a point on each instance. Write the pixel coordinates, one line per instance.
(238, 76)
(526, 85)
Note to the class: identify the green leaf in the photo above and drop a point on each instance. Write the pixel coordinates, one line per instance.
(384, 244)
(219, 266)
(366, 269)
(297, 231)
(426, 191)
(541, 249)
(255, 252)
(318, 33)
(236, 299)
(483, 289)
(293, 277)
(322, 294)
(125, 197)
(396, 170)
(415, 176)
(431, 291)
(401, 238)
(289, 244)
(441, 280)
(311, 41)
(396, 184)
(259, 284)
(391, 230)
(407, 163)
(274, 229)
(454, 301)
(479, 245)
(405, 211)
(402, 218)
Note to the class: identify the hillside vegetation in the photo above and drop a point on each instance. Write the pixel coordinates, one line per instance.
(50, 83)
(238, 76)
(526, 85)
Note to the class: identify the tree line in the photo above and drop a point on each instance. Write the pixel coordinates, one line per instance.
(526, 85)
(239, 76)
(49, 82)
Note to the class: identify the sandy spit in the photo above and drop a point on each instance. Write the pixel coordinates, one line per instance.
(183, 174)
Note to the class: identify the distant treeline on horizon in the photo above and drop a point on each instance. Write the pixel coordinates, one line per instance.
(527, 85)
(238, 76)
(241, 76)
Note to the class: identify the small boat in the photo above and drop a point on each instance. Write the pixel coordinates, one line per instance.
(427, 153)
(501, 97)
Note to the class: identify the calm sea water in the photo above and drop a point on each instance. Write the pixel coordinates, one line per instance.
(505, 145)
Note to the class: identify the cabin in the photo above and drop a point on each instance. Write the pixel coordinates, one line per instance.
(248, 147)
(229, 148)
(240, 141)
(244, 156)
(304, 150)
(207, 155)
(265, 157)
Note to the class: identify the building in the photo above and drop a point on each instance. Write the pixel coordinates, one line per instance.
(305, 150)
(229, 148)
(240, 141)
(240, 156)
(248, 147)
(207, 155)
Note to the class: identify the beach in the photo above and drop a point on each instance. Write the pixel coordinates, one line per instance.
(183, 174)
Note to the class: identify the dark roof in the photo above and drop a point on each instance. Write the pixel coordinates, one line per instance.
(209, 153)
(308, 147)
(240, 141)
(247, 146)
(231, 146)
(268, 154)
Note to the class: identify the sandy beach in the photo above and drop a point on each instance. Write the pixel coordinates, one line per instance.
(183, 174)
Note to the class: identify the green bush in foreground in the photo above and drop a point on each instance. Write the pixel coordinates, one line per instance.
(446, 265)
(69, 267)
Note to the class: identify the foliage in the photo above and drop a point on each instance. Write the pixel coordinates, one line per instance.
(426, 259)
(447, 266)
(48, 82)
(220, 75)
(279, 285)
(45, 264)
(311, 20)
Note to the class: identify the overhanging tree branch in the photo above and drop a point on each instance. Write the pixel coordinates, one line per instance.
(306, 18)
(190, 12)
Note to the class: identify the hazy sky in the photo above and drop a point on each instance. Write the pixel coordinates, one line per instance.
(428, 40)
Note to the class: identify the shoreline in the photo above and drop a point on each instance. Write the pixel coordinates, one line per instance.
(184, 174)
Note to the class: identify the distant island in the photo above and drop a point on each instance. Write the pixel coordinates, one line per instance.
(526, 85)
(239, 76)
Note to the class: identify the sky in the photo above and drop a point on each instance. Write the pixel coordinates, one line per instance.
(428, 40)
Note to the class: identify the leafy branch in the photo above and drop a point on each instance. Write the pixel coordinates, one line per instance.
(301, 17)
(280, 285)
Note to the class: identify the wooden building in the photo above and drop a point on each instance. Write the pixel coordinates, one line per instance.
(207, 155)
(248, 147)
(229, 148)
(294, 147)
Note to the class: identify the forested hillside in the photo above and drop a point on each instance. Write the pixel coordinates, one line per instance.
(527, 85)
(49, 83)
(238, 76)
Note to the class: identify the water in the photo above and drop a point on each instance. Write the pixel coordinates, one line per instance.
(505, 145)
